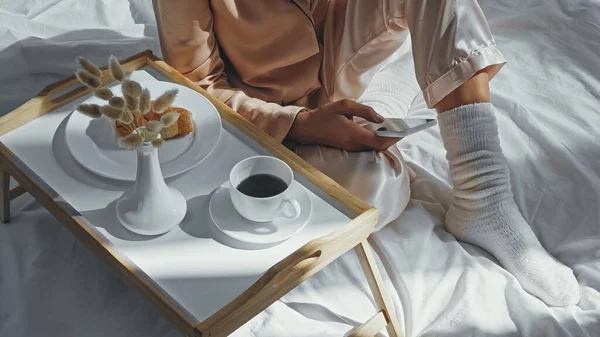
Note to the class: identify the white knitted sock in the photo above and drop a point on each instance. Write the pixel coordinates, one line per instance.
(484, 212)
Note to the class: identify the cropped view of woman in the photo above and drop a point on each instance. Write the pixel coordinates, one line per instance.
(309, 72)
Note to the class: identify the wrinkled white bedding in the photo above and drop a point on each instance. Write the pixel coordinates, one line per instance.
(548, 108)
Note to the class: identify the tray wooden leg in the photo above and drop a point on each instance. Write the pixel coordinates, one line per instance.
(4, 196)
(371, 327)
(384, 304)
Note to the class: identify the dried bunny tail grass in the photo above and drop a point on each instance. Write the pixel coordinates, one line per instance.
(90, 110)
(88, 66)
(154, 127)
(131, 102)
(126, 117)
(144, 101)
(164, 101)
(169, 119)
(111, 112)
(132, 141)
(87, 79)
(138, 119)
(115, 69)
(131, 88)
(103, 93)
(142, 131)
(117, 102)
(158, 142)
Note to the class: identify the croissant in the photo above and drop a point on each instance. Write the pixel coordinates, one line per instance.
(185, 123)
(183, 127)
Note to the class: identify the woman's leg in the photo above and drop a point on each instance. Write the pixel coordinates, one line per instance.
(380, 179)
(455, 56)
(357, 43)
(484, 212)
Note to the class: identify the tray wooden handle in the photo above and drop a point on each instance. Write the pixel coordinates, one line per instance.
(287, 274)
(45, 101)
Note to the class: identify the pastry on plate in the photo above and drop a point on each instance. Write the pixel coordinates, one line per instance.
(185, 123)
(183, 127)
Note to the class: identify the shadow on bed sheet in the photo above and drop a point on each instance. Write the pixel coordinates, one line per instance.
(62, 273)
(27, 66)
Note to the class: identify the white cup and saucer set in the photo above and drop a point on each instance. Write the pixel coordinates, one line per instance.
(261, 203)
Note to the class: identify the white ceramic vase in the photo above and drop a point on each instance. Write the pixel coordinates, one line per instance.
(150, 207)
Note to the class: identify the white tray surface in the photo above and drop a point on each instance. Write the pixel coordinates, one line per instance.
(200, 269)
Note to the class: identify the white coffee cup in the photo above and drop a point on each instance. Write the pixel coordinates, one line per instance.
(263, 209)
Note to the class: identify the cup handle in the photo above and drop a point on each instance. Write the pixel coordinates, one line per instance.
(292, 202)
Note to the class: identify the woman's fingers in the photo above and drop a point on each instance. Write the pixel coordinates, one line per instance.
(332, 125)
(380, 143)
(364, 139)
(351, 108)
(386, 142)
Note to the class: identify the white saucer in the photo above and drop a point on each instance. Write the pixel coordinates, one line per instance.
(232, 224)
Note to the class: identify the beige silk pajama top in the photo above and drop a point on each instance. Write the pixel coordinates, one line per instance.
(269, 59)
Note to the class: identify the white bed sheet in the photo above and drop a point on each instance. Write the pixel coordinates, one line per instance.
(548, 104)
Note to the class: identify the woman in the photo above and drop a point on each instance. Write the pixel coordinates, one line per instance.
(295, 69)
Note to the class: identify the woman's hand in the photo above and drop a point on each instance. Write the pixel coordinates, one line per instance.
(331, 125)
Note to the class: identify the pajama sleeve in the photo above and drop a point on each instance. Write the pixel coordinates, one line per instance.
(451, 42)
(189, 45)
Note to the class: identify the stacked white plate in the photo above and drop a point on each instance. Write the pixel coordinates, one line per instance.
(93, 142)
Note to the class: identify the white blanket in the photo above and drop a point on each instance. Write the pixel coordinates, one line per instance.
(548, 104)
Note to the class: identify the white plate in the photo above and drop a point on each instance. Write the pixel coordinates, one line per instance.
(232, 224)
(93, 142)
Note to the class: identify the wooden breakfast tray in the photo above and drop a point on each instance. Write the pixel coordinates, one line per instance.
(288, 271)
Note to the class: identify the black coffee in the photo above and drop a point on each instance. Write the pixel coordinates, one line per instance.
(262, 186)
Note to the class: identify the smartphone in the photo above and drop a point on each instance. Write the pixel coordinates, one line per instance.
(400, 127)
